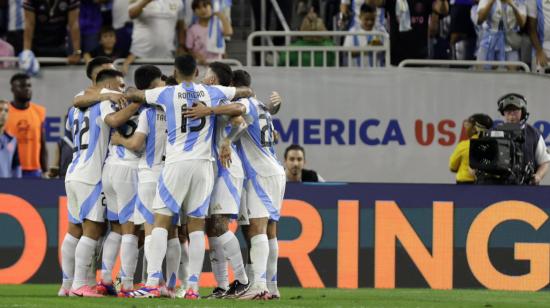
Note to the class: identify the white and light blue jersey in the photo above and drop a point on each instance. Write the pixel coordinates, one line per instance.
(188, 139)
(540, 10)
(223, 128)
(256, 146)
(119, 155)
(152, 123)
(91, 142)
(501, 16)
(16, 17)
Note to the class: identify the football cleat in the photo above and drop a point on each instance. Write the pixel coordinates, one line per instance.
(192, 294)
(106, 289)
(85, 291)
(236, 289)
(255, 292)
(145, 292)
(216, 293)
(63, 292)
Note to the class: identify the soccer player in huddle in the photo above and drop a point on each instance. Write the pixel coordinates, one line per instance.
(263, 193)
(225, 200)
(150, 138)
(85, 99)
(187, 180)
(91, 131)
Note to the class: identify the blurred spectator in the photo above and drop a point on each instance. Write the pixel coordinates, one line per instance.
(205, 38)
(349, 14)
(123, 26)
(459, 162)
(367, 18)
(463, 34)
(286, 10)
(91, 20)
(477, 27)
(9, 158)
(295, 160)
(538, 13)
(189, 17)
(46, 28)
(311, 22)
(63, 155)
(409, 27)
(155, 25)
(440, 35)
(16, 24)
(6, 50)
(501, 21)
(107, 46)
(26, 124)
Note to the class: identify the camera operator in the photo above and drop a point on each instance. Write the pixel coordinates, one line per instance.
(513, 107)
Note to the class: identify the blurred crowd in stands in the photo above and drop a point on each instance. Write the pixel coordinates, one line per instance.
(130, 29)
(486, 30)
(418, 29)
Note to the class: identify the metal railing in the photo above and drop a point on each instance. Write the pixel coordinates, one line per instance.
(41, 60)
(471, 63)
(119, 62)
(168, 61)
(341, 53)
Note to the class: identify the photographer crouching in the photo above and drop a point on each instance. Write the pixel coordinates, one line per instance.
(511, 153)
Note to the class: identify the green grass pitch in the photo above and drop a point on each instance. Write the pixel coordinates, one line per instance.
(39, 295)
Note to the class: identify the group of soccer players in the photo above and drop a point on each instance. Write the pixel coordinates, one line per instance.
(176, 159)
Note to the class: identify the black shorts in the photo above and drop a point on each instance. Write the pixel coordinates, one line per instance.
(461, 21)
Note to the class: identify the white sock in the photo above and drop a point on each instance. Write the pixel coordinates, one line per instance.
(249, 272)
(128, 259)
(83, 260)
(259, 252)
(159, 238)
(92, 273)
(173, 255)
(218, 263)
(183, 270)
(146, 256)
(272, 265)
(143, 264)
(196, 258)
(68, 248)
(232, 252)
(110, 252)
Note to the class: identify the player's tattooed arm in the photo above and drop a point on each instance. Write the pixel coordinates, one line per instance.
(93, 96)
(135, 95)
(120, 117)
(238, 127)
(200, 110)
(241, 92)
(135, 143)
(275, 102)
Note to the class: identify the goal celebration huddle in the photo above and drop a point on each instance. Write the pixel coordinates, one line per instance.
(176, 160)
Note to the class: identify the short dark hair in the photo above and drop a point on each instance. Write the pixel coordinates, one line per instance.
(223, 72)
(365, 8)
(171, 81)
(145, 75)
(108, 74)
(95, 63)
(186, 65)
(196, 3)
(241, 78)
(19, 76)
(295, 147)
(106, 29)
